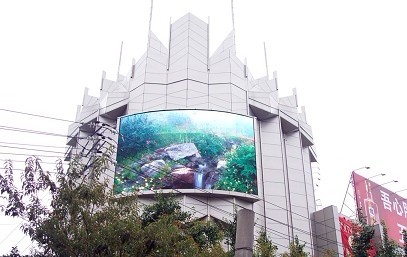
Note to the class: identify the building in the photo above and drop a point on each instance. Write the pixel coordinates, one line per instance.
(183, 76)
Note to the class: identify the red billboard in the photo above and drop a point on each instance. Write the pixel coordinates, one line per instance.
(378, 203)
(346, 234)
(348, 228)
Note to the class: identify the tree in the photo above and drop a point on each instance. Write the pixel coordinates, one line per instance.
(387, 246)
(362, 237)
(405, 242)
(264, 247)
(14, 253)
(230, 233)
(168, 231)
(296, 249)
(330, 253)
(85, 218)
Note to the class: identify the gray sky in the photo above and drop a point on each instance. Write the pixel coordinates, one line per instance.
(347, 59)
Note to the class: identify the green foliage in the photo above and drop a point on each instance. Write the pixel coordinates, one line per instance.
(230, 232)
(405, 242)
(87, 219)
(165, 237)
(387, 247)
(14, 253)
(139, 134)
(205, 234)
(330, 253)
(264, 247)
(164, 206)
(362, 237)
(240, 174)
(209, 145)
(296, 249)
(80, 222)
(169, 231)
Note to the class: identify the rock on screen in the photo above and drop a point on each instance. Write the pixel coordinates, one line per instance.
(186, 149)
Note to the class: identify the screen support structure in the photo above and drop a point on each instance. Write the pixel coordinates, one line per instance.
(347, 188)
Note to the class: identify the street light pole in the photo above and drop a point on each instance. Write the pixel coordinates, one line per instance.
(369, 178)
(391, 181)
(402, 190)
(350, 181)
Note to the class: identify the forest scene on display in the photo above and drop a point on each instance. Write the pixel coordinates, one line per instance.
(186, 149)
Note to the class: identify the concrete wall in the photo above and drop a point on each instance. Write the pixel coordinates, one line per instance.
(327, 231)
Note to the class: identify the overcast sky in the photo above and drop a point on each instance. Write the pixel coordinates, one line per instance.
(347, 59)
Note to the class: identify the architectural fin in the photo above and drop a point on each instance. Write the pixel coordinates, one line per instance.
(227, 45)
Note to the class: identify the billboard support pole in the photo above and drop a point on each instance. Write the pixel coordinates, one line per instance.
(346, 192)
(350, 181)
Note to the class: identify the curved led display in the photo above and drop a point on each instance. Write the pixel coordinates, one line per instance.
(186, 149)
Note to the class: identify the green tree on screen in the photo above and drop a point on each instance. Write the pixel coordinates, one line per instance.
(138, 133)
(240, 174)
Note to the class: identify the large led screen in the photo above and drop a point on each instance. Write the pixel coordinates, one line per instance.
(186, 149)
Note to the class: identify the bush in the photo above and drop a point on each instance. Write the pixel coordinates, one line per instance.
(240, 174)
(209, 145)
(137, 134)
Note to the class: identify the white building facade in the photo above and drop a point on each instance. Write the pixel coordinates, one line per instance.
(182, 75)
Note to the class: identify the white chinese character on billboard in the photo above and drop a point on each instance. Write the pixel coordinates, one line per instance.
(386, 200)
(405, 209)
(397, 207)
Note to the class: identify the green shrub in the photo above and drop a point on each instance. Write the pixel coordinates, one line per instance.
(240, 173)
(210, 146)
(137, 134)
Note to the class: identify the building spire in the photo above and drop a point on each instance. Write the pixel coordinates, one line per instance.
(120, 60)
(149, 23)
(265, 57)
(233, 24)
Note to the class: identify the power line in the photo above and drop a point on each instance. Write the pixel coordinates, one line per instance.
(31, 149)
(12, 160)
(47, 146)
(37, 115)
(42, 155)
(32, 131)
